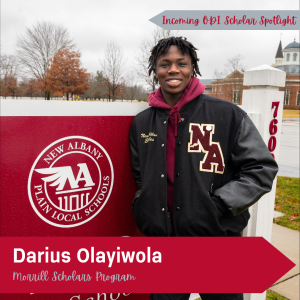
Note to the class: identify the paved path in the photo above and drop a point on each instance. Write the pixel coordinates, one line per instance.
(289, 148)
(287, 241)
(284, 239)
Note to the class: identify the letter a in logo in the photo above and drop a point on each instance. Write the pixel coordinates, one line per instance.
(201, 141)
(61, 174)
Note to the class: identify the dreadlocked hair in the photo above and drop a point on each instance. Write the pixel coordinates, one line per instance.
(163, 46)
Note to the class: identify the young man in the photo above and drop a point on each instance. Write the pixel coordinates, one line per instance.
(199, 162)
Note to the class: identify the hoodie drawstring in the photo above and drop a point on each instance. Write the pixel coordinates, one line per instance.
(175, 112)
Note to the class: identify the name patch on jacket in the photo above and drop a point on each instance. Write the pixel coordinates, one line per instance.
(201, 141)
(149, 137)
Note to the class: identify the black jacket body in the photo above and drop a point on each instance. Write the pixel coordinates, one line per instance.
(206, 203)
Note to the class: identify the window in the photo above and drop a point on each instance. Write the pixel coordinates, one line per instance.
(298, 98)
(236, 95)
(220, 89)
(288, 57)
(295, 57)
(286, 97)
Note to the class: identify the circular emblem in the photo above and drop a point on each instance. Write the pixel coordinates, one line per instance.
(70, 181)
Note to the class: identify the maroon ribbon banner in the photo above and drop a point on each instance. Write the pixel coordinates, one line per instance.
(139, 264)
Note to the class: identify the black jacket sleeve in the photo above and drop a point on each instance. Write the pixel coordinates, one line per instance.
(135, 160)
(255, 170)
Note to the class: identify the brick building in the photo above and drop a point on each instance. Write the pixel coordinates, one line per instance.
(288, 60)
(231, 87)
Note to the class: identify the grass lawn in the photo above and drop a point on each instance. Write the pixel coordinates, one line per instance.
(287, 201)
(274, 296)
(291, 113)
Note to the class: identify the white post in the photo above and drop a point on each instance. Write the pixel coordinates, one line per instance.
(264, 105)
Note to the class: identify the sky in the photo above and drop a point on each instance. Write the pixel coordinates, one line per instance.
(94, 23)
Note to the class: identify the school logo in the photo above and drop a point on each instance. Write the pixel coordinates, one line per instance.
(201, 141)
(70, 181)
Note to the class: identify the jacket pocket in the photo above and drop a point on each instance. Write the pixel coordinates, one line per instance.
(234, 225)
(222, 208)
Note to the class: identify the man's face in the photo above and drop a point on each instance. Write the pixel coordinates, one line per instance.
(174, 71)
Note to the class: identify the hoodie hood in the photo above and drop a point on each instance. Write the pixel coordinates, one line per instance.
(193, 90)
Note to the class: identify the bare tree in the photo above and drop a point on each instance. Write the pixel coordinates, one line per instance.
(131, 86)
(141, 94)
(233, 83)
(113, 65)
(96, 90)
(142, 56)
(217, 79)
(9, 65)
(89, 93)
(38, 45)
(234, 63)
(8, 75)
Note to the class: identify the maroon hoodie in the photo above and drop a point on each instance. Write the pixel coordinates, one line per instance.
(193, 90)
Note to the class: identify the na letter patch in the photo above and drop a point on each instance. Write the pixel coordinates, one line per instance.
(201, 141)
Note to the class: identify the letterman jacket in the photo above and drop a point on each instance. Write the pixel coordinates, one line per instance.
(221, 162)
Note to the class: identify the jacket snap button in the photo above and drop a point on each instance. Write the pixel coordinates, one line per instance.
(177, 174)
(162, 145)
(163, 209)
(178, 208)
(165, 122)
(162, 175)
(182, 119)
(179, 143)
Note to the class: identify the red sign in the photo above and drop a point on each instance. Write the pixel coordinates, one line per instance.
(66, 176)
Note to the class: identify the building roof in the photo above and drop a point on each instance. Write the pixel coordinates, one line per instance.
(263, 67)
(289, 68)
(279, 51)
(206, 81)
(294, 44)
(232, 73)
